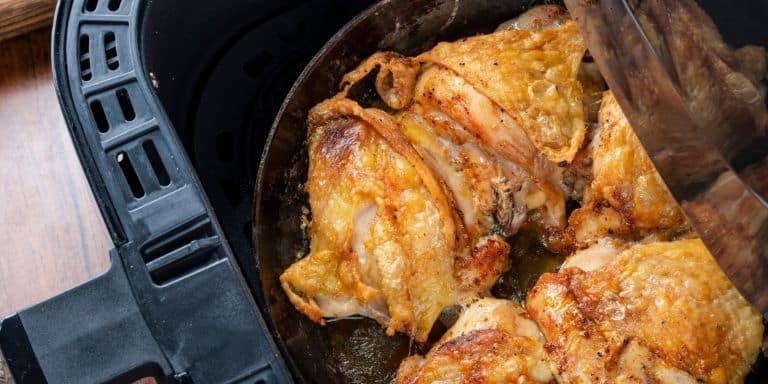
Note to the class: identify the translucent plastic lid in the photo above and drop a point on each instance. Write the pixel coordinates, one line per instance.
(697, 103)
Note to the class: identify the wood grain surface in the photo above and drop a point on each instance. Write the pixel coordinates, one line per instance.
(52, 236)
(5, 377)
(20, 16)
(51, 232)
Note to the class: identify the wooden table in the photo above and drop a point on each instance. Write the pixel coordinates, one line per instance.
(51, 231)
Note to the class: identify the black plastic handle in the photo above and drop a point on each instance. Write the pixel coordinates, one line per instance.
(100, 333)
(93, 333)
(174, 305)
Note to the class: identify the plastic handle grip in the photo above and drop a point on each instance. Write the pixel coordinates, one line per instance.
(93, 333)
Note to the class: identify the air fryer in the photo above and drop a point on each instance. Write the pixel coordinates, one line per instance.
(171, 106)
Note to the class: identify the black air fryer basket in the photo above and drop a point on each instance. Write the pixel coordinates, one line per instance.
(177, 303)
(170, 104)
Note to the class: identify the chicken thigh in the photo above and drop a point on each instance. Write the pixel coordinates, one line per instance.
(411, 207)
(660, 312)
(414, 196)
(627, 197)
(493, 341)
(383, 234)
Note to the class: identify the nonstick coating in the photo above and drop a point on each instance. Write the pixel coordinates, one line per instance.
(405, 26)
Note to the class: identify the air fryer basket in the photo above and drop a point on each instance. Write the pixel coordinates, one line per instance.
(407, 27)
(170, 105)
(174, 304)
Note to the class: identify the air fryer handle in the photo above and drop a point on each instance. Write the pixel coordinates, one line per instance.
(93, 333)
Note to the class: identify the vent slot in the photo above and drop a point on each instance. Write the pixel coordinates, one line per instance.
(110, 51)
(176, 238)
(99, 116)
(181, 251)
(113, 5)
(129, 174)
(183, 261)
(90, 5)
(157, 163)
(125, 104)
(85, 58)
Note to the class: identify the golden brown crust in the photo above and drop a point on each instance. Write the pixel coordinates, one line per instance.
(377, 200)
(452, 104)
(374, 224)
(386, 126)
(626, 197)
(492, 342)
(323, 273)
(665, 304)
(408, 371)
(532, 75)
(478, 271)
(404, 206)
(377, 205)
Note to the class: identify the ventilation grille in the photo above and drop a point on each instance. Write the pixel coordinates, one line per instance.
(97, 110)
(129, 174)
(110, 51)
(151, 174)
(158, 168)
(86, 73)
(116, 110)
(126, 106)
(91, 6)
(103, 51)
(181, 251)
(113, 5)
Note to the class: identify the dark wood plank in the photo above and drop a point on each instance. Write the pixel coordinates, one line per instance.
(20, 16)
(51, 232)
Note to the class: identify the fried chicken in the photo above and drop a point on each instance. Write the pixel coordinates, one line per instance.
(493, 341)
(660, 312)
(412, 202)
(626, 197)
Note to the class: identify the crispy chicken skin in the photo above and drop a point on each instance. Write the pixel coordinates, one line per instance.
(493, 114)
(413, 202)
(504, 173)
(626, 197)
(532, 75)
(411, 207)
(493, 341)
(659, 312)
(379, 221)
